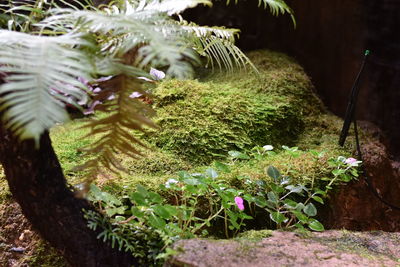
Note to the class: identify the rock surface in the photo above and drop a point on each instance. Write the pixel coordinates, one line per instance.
(330, 248)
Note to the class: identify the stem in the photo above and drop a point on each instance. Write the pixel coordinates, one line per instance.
(207, 221)
(289, 222)
(191, 216)
(226, 224)
(237, 230)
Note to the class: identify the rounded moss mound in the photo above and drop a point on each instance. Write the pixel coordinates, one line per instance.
(202, 120)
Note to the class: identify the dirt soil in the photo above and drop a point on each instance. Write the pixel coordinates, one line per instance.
(330, 248)
(20, 246)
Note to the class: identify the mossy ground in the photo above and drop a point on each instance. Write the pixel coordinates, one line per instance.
(201, 120)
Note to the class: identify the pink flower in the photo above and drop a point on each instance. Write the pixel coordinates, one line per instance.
(350, 160)
(239, 203)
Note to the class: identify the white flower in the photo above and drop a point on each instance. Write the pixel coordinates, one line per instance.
(268, 148)
(170, 182)
(157, 74)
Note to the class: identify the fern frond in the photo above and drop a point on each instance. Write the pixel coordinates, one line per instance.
(123, 115)
(171, 7)
(21, 15)
(217, 44)
(42, 71)
(276, 7)
(160, 42)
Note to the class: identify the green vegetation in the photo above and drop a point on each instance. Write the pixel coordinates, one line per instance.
(200, 122)
(145, 222)
(45, 256)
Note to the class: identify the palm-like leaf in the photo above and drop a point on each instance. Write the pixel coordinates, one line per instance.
(42, 71)
(278, 7)
(123, 115)
(159, 41)
(137, 34)
(217, 44)
(171, 7)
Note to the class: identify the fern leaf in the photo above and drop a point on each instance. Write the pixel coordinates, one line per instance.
(171, 7)
(41, 72)
(278, 7)
(160, 42)
(114, 137)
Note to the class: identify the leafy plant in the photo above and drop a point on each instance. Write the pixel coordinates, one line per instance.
(123, 40)
(293, 205)
(192, 204)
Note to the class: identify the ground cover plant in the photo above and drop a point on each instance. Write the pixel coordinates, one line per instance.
(147, 222)
(51, 51)
(276, 188)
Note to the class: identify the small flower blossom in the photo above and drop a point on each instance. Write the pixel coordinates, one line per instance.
(157, 74)
(135, 95)
(350, 161)
(268, 148)
(170, 182)
(239, 203)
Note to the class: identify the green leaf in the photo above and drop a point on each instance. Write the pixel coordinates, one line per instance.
(300, 216)
(316, 226)
(318, 199)
(120, 218)
(211, 173)
(261, 183)
(299, 226)
(243, 215)
(319, 192)
(338, 172)
(310, 209)
(238, 155)
(277, 217)
(142, 190)
(192, 181)
(272, 197)
(295, 189)
(105, 197)
(290, 203)
(154, 197)
(354, 172)
(172, 210)
(136, 212)
(222, 167)
(112, 211)
(277, 188)
(260, 201)
(156, 222)
(273, 173)
(138, 198)
(184, 175)
(162, 211)
(42, 71)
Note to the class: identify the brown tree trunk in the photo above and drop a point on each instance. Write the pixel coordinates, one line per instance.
(37, 183)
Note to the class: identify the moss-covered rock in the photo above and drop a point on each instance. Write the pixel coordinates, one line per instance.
(202, 120)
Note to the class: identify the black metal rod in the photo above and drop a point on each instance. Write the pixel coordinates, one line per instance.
(351, 107)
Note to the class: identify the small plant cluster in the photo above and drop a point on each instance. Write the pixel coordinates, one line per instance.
(191, 204)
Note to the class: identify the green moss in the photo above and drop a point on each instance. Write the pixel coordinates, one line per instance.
(67, 141)
(360, 243)
(45, 256)
(4, 190)
(255, 235)
(203, 120)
